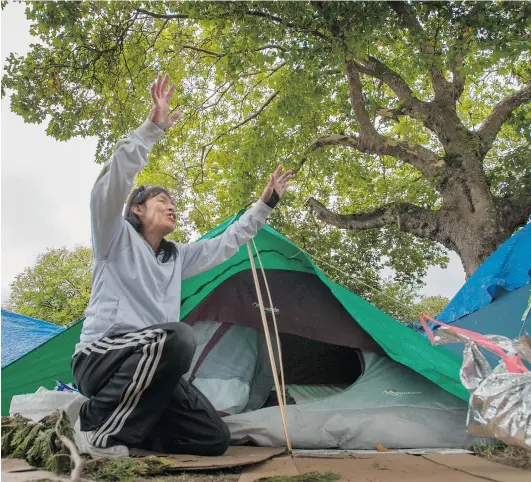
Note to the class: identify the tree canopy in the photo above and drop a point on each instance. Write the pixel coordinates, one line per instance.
(57, 288)
(407, 123)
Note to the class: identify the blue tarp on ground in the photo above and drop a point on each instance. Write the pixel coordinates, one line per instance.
(509, 267)
(21, 334)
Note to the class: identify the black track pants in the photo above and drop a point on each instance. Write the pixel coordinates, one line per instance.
(138, 398)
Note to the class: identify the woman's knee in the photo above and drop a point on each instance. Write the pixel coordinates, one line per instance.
(180, 342)
(222, 441)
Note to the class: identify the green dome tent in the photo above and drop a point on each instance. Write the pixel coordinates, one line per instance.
(337, 348)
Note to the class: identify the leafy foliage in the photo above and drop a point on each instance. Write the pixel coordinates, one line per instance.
(37, 443)
(260, 82)
(126, 469)
(404, 303)
(57, 288)
(432, 305)
(308, 477)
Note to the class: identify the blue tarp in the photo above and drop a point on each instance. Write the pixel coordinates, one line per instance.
(21, 334)
(509, 267)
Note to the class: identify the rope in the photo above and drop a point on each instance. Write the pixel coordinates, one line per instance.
(359, 280)
(270, 348)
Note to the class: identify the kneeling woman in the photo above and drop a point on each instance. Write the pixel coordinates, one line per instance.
(133, 351)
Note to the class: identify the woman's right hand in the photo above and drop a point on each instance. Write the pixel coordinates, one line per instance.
(161, 98)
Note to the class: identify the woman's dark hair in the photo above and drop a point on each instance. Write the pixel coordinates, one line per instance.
(139, 196)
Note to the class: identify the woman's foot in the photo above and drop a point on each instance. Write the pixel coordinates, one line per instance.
(84, 444)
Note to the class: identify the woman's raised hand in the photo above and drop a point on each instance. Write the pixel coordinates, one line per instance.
(161, 99)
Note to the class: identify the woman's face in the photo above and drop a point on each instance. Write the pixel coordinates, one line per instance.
(157, 214)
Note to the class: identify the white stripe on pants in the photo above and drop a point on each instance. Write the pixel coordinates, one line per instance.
(153, 341)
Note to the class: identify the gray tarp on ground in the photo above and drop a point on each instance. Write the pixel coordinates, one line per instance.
(389, 404)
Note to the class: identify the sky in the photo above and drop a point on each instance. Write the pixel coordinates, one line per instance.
(46, 185)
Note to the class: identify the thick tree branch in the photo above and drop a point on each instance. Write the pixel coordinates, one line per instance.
(161, 15)
(458, 79)
(441, 119)
(427, 162)
(370, 141)
(375, 68)
(358, 101)
(330, 140)
(408, 17)
(406, 217)
(500, 113)
(335, 140)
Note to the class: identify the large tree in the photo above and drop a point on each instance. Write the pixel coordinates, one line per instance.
(57, 288)
(409, 120)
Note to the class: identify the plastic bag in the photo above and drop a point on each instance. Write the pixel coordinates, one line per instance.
(44, 402)
(500, 402)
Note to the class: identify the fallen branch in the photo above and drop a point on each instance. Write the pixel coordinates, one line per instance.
(78, 462)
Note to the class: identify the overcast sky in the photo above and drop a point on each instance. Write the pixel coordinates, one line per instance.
(46, 184)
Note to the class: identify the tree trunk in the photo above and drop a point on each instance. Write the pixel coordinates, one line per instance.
(474, 237)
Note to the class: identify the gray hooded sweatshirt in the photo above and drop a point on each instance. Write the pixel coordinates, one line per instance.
(131, 288)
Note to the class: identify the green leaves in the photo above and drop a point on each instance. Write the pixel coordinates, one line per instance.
(57, 288)
(276, 71)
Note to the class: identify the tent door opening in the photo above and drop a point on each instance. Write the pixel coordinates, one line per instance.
(231, 367)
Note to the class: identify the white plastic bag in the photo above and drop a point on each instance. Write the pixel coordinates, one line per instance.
(43, 402)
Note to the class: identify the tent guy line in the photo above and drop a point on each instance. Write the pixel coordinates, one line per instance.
(355, 278)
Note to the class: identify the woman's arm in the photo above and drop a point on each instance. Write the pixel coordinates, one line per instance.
(204, 255)
(117, 176)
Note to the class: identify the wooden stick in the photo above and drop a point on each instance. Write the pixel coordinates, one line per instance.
(283, 386)
(269, 347)
(79, 463)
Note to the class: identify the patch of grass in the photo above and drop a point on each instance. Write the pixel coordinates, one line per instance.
(505, 454)
(125, 469)
(228, 475)
(309, 477)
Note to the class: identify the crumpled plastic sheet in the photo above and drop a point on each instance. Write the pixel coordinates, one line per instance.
(500, 402)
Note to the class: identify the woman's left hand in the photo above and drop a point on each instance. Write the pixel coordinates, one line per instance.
(279, 182)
